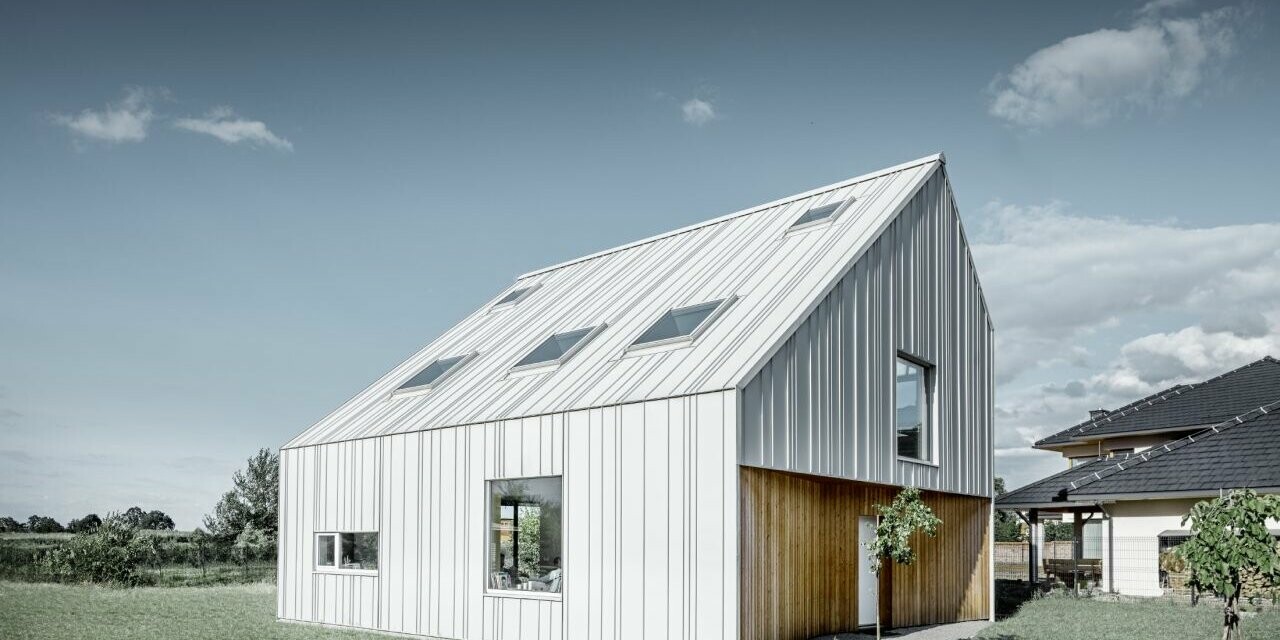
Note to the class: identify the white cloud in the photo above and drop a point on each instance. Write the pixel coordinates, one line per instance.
(123, 121)
(223, 124)
(1053, 277)
(698, 112)
(1091, 78)
(1096, 312)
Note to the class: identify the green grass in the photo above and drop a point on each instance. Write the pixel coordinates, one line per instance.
(1067, 618)
(50, 611)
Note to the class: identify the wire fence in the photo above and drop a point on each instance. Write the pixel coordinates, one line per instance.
(1127, 566)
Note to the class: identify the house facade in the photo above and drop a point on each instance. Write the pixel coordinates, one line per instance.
(1135, 472)
(682, 437)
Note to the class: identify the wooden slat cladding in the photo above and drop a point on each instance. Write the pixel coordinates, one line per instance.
(799, 558)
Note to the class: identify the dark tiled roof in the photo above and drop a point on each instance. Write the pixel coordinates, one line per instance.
(1069, 434)
(1186, 406)
(1051, 489)
(1243, 452)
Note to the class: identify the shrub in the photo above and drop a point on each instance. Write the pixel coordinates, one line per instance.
(113, 554)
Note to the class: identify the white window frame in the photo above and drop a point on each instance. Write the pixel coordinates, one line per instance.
(496, 306)
(679, 342)
(435, 384)
(534, 368)
(813, 224)
(488, 532)
(337, 554)
(929, 414)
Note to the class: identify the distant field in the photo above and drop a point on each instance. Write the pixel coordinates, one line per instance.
(20, 554)
(57, 612)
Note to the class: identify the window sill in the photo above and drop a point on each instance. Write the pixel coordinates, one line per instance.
(346, 572)
(658, 346)
(923, 463)
(523, 595)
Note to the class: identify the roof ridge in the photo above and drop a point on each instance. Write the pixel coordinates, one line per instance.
(1150, 400)
(1168, 447)
(880, 173)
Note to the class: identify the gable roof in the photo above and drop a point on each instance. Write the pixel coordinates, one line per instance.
(776, 276)
(1183, 407)
(1240, 452)
(1051, 491)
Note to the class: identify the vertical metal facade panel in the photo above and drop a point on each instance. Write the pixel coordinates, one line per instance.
(650, 524)
(824, 403)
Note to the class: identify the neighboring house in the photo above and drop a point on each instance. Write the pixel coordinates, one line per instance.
(682, 437)
(1137, 470)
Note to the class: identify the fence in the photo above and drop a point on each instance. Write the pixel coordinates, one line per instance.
(1131, 566)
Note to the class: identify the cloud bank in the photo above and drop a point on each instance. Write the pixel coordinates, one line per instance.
(1091, 78)
(1175, 304)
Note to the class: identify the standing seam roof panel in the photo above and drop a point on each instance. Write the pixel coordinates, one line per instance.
(778, 278)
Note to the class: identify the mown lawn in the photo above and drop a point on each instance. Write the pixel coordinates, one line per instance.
(58, 612)
(1066, 618)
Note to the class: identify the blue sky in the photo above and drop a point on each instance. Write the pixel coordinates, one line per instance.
(219, 222)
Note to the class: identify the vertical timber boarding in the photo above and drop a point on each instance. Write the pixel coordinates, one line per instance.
(799, 558)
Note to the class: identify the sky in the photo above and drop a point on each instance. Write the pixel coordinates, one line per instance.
(220, 221)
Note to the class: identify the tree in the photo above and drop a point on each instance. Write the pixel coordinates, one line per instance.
(9, 525)
(84, 525)
(1229, 541)
(252, 544)
(157, 520)
(1007, 526)
(43, 524)
(132, 517)
(898, 522)
(253, 500)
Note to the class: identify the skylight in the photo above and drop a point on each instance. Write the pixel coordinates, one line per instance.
(557, 348)
(433, 374)
(681, 324)
(820, 213)
(514, 296)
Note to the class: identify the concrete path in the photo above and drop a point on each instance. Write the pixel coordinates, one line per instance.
(957, 631)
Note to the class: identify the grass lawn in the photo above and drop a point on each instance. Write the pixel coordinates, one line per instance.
(50, 611)
(1066, 618)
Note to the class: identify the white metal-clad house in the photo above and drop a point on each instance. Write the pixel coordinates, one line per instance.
(681, 437)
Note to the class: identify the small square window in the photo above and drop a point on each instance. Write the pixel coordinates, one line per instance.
(347, 551)
(558, 348)
(434, 373)
(914, 409)
(525, 538)
(821, 213)
(683, 324)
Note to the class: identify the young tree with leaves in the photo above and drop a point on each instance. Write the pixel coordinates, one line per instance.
(253, 500)
(1229, 539)
(898, 521)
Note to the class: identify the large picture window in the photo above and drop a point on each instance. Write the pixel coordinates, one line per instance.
(524, 535)
(355, 551)
(914, 411)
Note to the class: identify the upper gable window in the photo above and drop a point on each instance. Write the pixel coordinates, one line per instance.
(821, 213)
(557, 348)
(913, 416)
(513, 296)
(681, 325)
(433, 374)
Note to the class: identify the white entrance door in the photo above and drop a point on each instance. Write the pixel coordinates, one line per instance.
(868, 587)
